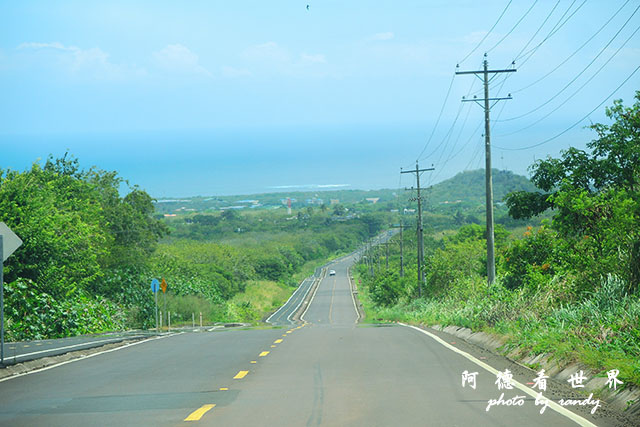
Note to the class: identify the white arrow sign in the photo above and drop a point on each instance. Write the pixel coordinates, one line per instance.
(10, 242)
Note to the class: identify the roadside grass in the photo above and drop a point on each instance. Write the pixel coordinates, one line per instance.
(602, 331)
(258, 299)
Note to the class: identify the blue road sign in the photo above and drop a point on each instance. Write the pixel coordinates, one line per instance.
(155, 285)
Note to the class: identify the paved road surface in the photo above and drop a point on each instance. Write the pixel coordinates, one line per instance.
(329, 371)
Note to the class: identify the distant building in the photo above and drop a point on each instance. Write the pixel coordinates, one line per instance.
(334, 201)
(373, 200)
(169, 215)
(406, 211)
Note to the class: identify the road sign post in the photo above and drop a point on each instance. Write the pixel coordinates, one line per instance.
(155, 285)
(9, 242)
(163, 286)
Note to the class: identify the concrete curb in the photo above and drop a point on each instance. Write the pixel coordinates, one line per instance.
(354, 292)
(494, 343)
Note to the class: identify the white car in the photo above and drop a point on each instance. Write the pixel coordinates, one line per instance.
(332, 272)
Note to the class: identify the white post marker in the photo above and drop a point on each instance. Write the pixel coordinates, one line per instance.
(193, 320)
(201, 319)
(9, 242)
(168, 321)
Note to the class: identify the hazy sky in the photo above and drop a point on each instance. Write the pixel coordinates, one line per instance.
(215, 97)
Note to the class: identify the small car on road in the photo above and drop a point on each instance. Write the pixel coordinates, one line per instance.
(332, 272)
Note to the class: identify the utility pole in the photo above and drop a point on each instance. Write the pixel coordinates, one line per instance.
(418, 172)
(491, 262)
(370, 258)
(386, 244)
(401, 227)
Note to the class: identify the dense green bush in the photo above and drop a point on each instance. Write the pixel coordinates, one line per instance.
(34, 314)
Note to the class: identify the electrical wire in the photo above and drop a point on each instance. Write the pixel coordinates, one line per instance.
(576, 123)
(544, 22)
(475, 154)
(574, 53)
(581, 72)
(513, 28)
(487, 35)
(552, 32)
(577, 91)
(438, 162)
(446, 98)
(558, 25)
(450, 129)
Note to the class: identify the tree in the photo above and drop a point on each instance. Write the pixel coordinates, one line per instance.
(595, 194)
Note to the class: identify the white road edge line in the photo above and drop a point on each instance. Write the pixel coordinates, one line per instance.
(285, 304)
(355, 307)
(295, 310)
(553, 405)
(46, 368)
(312, 297)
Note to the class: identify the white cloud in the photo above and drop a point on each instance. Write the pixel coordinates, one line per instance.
(317, 58)
(228, 71)
(382, 36)
(267, 52)
(271, 55)
(179, 58)
(93, 61)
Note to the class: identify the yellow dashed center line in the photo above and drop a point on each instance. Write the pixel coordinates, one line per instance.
(198, 413)
(284, 335)
(263, 354)
(240, 375)
(289, 332)
(277, 341)
(273, 346)
(253, 361)
(224, 388)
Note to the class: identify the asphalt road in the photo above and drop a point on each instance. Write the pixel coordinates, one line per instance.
(328, 371)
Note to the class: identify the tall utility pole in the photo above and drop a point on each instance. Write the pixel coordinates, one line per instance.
(418, 172)
(401, 227)
(491, 262)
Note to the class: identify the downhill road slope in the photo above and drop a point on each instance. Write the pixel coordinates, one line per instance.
(329, 370)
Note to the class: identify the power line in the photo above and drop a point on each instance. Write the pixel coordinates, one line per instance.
(552, 32)
(475, 154)
(576, 123)
(487, 35)
(581, 72)
(514, 27)
(577, 91)
(538, 30)
(450, 129)
(439, 115)
(574, 53)
(558, 25)
(457, 153)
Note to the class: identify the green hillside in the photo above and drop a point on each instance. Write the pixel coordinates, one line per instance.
(469, 187)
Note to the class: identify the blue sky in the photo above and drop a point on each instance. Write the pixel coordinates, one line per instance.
(219, 97)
